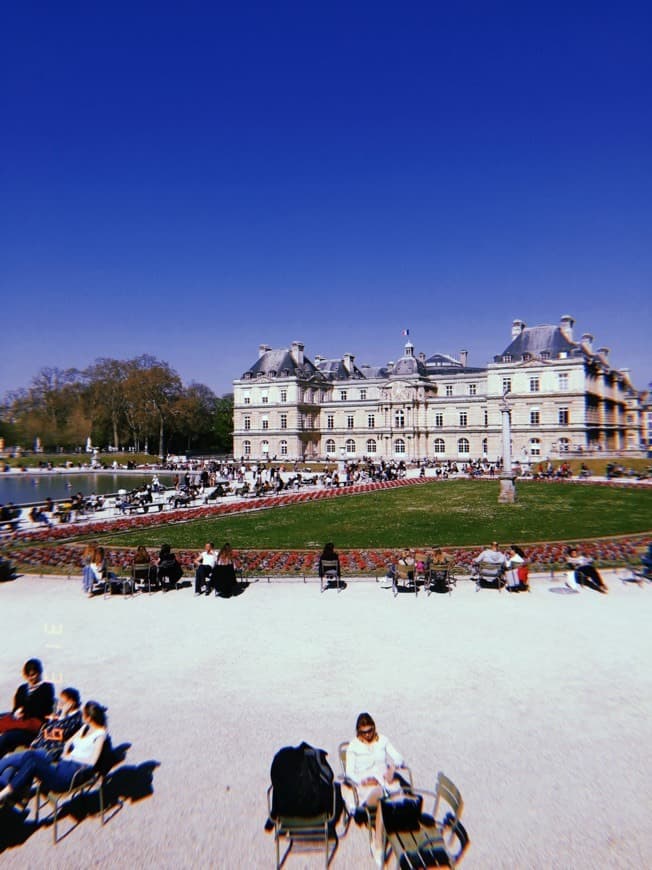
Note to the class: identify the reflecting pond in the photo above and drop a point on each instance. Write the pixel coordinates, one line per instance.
(26, 488)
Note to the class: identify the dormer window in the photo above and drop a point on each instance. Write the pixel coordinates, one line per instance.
(545, 354)
(507, 357)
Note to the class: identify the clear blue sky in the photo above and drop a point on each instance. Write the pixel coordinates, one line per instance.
(193, 179)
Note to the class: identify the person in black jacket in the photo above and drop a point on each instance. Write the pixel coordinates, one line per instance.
(33, 703)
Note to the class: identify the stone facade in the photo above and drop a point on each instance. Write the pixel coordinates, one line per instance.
(563, 395)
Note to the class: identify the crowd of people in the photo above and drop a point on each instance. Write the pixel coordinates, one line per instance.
(47, 738)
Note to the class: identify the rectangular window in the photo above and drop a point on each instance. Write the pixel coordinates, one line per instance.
(473, 389)
(486, 417)
(363, 395)
(246, 400)
(330, 421)
(464, 420)
(449, 389)
(563, 417)
(507, 385)
(247, 423)
(563, 382)
(439, 421)
(349, 421)
(284, 421)
(534, 385)
(343, 395)
(535, 417)
(264, 399)
(284, 395)
(265, 423)
(371, 421)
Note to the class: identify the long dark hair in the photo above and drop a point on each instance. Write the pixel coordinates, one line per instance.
(96, 713)
(33, 666)
(329, 551)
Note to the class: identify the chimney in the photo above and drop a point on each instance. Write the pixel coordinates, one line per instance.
(587, 339)
(262, 350)
(604, 352)
(566, 324)
(517, 328)
(297, 352)
(464, 354)
(347, 359)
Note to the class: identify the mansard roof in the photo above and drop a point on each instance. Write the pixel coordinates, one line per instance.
(538, 340)
(335, 370)
(408, 365)
(280, 363)
(443, 359)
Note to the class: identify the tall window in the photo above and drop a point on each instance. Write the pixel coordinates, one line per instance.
(284, 421)
(399, 419)
(534, 385)
(463, 446)
(464, 419)
(507, 385)
(535, 447)
(343, 395)
(363, 395)
(265, 423)
(564, 445)
(330, 421)
(264, 398)
(247, 423)
(371, 445)
(350, 445)
(535, 417)
(449, 389)
(486, 417)
(473, 389)
(330, 446)
(563, 417)
(399, 446)
(485, 446)
(440, 445)
(439, 421)
(284, 448)
(246, 400)
(284, 395)
(246, 448)
(371, 422)
(562, 382)
(349, 421)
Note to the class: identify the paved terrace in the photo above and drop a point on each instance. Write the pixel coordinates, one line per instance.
(536, 705)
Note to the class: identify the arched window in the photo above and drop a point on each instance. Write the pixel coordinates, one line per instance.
(535, 447)
(284, 448)
(371, 446)
(463, 446)
(485, 446)
(330, 446)
(399, 446)
(350, 445)
(399, 419)
(264, 447)
(246, 448)
(564, 445)
(440, 445)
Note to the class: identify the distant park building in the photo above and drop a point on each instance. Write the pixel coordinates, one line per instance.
(564, 397)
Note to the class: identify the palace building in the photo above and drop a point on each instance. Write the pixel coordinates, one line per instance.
(564, 396)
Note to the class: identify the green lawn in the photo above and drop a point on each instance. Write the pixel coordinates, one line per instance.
(447, 513)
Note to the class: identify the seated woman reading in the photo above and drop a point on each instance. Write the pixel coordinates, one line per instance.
(33, 703)
(81, 751)
(371, 763)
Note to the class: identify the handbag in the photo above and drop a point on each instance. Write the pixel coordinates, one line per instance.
(402, 813)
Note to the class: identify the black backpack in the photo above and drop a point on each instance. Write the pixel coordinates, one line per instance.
(302, 782)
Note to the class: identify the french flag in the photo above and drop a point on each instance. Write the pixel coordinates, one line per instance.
(405, 332)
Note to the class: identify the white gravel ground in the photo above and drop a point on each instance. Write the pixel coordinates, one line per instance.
(537, 706)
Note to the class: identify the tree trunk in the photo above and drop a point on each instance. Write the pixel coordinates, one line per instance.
(160, 437)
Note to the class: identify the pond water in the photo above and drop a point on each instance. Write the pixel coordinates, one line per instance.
(26, 488)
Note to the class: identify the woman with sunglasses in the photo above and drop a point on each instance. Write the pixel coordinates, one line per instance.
(371, 763)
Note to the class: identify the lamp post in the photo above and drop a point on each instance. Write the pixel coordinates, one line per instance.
(507, 486)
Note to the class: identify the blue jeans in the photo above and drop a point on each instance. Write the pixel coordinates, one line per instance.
(21, 768)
